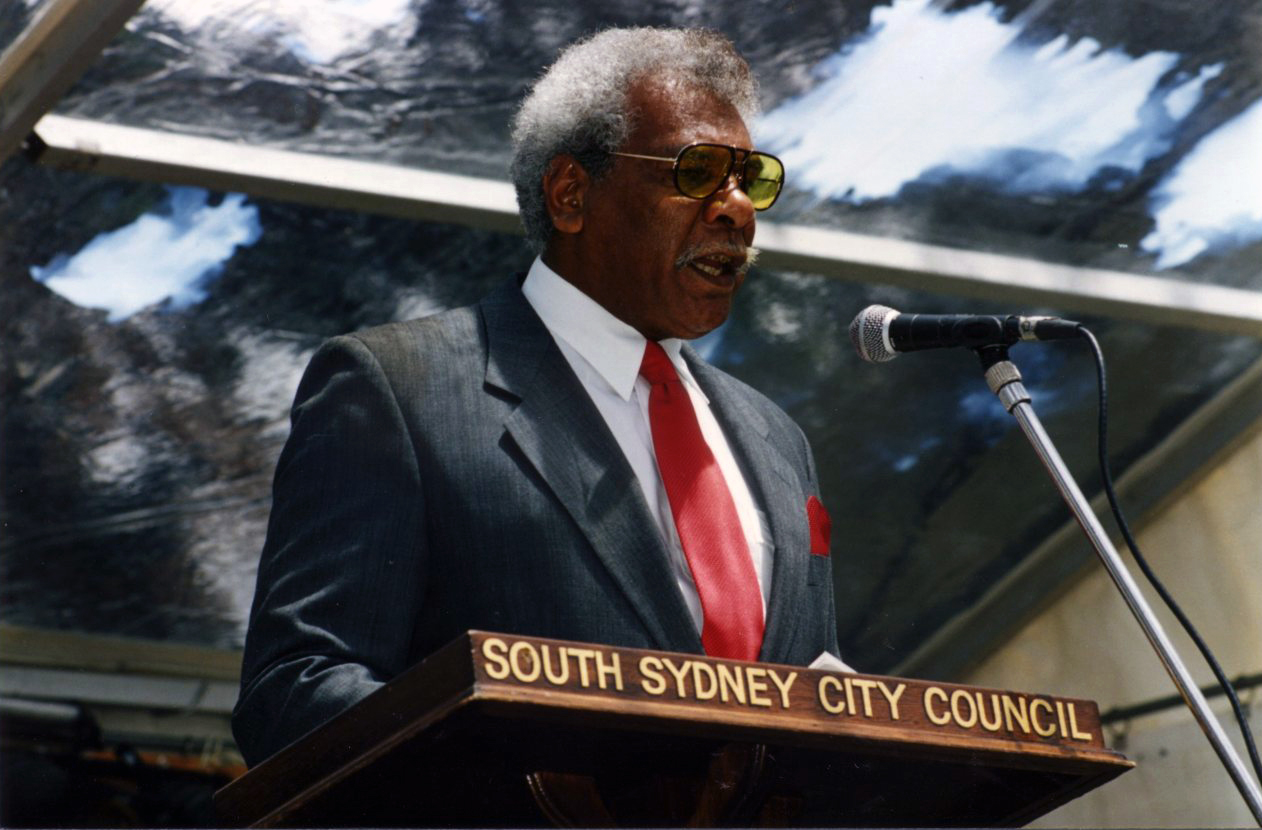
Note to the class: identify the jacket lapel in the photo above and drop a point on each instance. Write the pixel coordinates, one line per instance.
(777, 490)
(565, 438)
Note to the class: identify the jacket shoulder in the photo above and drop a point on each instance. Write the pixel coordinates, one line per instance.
(455, 329)
(409, 352)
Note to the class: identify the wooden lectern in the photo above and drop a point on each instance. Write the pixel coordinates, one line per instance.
(508, 731)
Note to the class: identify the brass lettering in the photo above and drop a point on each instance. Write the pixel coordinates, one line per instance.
(1016, 713)
(680, 674)
(1073, 726)
(755, 677)
(866, 686)
(829, 706)
(556, 678)
(783, 685)
(731, 678)
(960, 720)
(1034, 718)
(494, 649)
(1060, 716)
(892, 697)
(584, 674)
(514, 660)
(935, 693)
(651, 679)
(614, 669)
(850, 707)
(705, 684)
(988, 724)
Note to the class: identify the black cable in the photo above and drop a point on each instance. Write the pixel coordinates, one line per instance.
(1107, 477)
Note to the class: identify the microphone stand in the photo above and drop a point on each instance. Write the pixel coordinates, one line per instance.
(1005, 381)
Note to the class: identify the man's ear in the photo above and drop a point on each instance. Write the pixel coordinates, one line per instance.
(565, 189)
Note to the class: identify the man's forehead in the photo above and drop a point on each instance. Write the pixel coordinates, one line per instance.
(670, 113)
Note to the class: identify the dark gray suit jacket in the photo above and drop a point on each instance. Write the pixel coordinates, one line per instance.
(451, 473)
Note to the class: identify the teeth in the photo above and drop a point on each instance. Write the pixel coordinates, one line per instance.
(707, 269)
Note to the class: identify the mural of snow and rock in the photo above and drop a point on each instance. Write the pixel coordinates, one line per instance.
(151, 337)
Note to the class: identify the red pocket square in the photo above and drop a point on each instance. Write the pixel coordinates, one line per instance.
(821, 526)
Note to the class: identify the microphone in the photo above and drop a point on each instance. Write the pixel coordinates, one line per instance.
(879, 332)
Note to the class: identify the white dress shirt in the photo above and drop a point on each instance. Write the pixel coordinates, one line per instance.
(606, 354)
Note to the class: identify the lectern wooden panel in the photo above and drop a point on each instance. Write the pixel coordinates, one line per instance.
(499, 730)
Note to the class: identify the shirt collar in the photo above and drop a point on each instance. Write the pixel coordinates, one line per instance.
(611, 347)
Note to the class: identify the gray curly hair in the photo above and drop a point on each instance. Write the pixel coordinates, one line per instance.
(579, 105)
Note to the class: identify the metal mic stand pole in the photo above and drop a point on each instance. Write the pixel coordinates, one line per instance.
(1005, 381)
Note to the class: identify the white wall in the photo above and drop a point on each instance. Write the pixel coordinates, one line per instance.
(1206, 545)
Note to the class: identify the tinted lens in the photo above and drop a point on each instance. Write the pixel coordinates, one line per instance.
(701, 169)
(764, 175)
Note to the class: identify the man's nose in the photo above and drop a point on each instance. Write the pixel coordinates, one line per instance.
(730, 206)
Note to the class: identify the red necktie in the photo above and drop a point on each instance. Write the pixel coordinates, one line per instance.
(705, 516)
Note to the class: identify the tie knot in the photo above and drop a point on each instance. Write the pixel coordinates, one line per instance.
(656, 366)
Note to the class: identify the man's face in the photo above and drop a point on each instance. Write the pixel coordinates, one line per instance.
(665, 263)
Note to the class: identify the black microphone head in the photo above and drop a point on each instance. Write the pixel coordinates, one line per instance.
(869, 332)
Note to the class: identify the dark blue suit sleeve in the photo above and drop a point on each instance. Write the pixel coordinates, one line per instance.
(342, 571)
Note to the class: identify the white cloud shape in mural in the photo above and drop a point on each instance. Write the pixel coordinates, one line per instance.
(162, 255)
(927, 91)
(1213, 198)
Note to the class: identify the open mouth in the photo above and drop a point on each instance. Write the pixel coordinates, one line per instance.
(718, 266)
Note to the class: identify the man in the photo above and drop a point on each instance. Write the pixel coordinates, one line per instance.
(554, 461)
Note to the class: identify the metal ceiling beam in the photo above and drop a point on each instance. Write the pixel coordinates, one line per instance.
(161, 695)
(62, 41)
(440, 197)
(184, 694)
(325, 181)
(1017, 280)
(52, 649)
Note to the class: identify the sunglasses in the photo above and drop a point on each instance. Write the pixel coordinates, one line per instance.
(701, 170)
